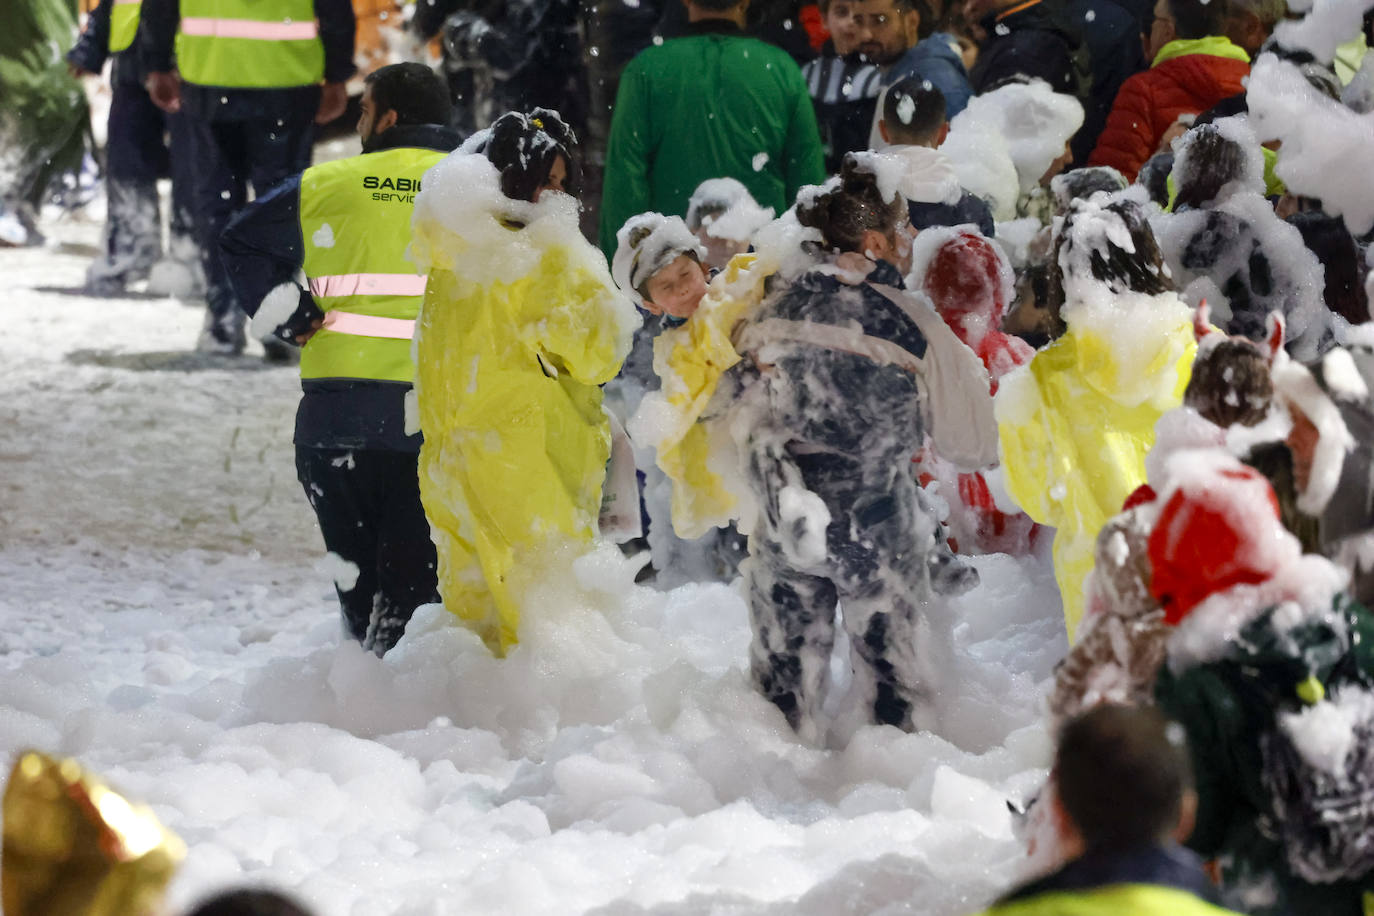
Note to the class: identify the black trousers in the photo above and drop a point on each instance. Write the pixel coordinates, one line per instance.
(368, 505)
(142, 145)
(228, 156)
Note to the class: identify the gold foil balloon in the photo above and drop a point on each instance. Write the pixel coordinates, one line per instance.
(74, 847)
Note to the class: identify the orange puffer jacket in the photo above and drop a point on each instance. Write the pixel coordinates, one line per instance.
(1191, 79)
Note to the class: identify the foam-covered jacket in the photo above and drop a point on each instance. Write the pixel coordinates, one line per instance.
(1226, 701)
(823, 392)
(1186, 77)
(1075, 424)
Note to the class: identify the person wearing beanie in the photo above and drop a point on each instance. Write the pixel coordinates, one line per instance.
(1267, 670)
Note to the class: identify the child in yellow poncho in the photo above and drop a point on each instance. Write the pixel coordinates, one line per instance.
(1076, 423)
(521, 323)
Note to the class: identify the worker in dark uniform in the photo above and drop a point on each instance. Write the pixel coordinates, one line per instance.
(346, 225)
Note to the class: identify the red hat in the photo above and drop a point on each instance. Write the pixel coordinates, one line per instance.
(1218, 529)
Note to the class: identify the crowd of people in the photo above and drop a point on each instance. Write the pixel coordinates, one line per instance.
(880, 285)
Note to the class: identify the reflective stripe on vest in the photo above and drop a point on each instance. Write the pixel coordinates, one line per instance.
(123, 24)
(368, 285)
(355, 223)
(247, 28)
(250, 44)
(369, 325)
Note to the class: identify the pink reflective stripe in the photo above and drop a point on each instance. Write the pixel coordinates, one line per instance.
(250, 28)
(126, 2)
(368, 285)
(369, 325)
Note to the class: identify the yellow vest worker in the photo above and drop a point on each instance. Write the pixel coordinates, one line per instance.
(252, 79)
(1075, 424)
(520, 325)
(346, 226)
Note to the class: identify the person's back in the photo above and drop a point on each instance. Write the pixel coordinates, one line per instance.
(1111, 34)
(712, 104)
(1121, 791)
(912, 124)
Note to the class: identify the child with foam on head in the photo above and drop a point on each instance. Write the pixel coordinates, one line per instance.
(659, 263)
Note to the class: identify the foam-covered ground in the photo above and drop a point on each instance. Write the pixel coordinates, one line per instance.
(167, 619)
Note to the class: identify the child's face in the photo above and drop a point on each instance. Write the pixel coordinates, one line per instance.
(677, 289)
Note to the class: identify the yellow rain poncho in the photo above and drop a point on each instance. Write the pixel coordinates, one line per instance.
(690, 361)
(1076, 423)
(520, 325)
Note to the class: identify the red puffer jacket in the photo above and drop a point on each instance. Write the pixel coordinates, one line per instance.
(1149, 102)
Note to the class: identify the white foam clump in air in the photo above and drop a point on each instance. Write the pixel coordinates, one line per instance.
(323, 237)
(759, 161)
(276, 309)
(1320, 139)
(344, 573)
(464, 224)
(1024, 125)
(1327, 25)
(1324, 733)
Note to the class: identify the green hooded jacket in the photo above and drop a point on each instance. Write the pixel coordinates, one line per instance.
(713, 104)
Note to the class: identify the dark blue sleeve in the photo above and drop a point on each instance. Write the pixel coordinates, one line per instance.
(157, 29)
(338, 30)
(262, 248)
(93, 46)
(952, 82)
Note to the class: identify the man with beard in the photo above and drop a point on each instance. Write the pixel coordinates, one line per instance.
(866, 38)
